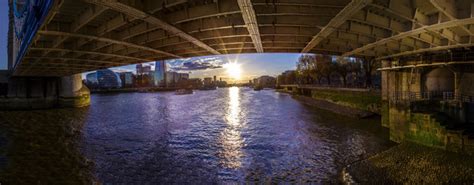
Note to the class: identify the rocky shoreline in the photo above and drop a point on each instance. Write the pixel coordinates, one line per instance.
(409, 163)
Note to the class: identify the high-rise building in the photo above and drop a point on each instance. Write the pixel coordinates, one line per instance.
(207, 81)
(160, 73)
(141, 69)
(145, 76)
(174, 78)
(127, 79)
(183, 76)
(171, 77)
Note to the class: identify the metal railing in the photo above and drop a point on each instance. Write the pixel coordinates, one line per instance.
(430, 95)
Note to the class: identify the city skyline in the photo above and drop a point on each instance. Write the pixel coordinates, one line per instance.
(251, 65)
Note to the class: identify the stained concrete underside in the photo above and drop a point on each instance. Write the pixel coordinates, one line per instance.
(85, 35)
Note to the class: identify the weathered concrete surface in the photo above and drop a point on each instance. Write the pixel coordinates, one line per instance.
(433, 129)
(434, 122)
(410, 163)
(44, 92)
(73, 93)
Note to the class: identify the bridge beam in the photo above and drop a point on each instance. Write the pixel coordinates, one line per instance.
(103, 39)
(352, 8)
(133, 12)
(92, 53)
(434, 27)
(248, 14)
(448, 8)
(88, 15)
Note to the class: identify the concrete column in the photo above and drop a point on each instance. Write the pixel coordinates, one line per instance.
(457, 80)
(72, 93)
(385, 84)
(384, 109)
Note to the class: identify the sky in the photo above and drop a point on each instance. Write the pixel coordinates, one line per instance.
(3, 33)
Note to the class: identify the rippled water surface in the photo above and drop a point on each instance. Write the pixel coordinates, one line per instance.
(221, 136)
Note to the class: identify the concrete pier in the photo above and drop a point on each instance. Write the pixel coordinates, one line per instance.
(72, 92)
(25, 93)
(430, 104)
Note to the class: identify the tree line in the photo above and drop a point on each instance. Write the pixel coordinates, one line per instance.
(326, 70)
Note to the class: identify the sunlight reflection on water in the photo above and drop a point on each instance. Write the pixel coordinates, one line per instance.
(231, 139)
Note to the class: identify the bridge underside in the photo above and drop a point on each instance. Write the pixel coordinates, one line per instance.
(80, 36)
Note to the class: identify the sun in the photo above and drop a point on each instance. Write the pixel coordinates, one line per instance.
(233, 70)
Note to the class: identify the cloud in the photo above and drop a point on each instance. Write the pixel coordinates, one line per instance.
(190, 66)
(201, 63)
(120, 70)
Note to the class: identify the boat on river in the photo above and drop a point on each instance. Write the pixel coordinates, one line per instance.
(257, 88)
(207, 88)
(183, 91)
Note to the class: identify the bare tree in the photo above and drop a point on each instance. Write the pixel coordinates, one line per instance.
(325, 67)
(343, 68)
(306, 68)
(369, 66)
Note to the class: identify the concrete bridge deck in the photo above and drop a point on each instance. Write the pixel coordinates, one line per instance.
(76, 36)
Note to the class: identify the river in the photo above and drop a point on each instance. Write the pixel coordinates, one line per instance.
(228, 135)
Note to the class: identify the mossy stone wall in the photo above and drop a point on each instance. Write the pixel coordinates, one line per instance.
(367, 101)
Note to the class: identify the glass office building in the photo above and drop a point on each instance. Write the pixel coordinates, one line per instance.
(103, 79)
(160, 73)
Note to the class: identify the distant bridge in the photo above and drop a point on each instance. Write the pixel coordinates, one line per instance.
(74, 36)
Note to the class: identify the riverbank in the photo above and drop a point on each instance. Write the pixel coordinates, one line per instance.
(350, 103)
(409, 163)
(333, 107)
(124, 90)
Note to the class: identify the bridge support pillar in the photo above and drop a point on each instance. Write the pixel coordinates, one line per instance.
(72, 92)
(26, 93)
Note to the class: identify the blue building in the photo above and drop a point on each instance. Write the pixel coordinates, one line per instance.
(103, 79)
(91, 79)
(160, 73)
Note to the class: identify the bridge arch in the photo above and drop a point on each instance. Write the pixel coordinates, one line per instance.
(439, 79)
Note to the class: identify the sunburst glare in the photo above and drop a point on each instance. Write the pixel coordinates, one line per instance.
(233, 70)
